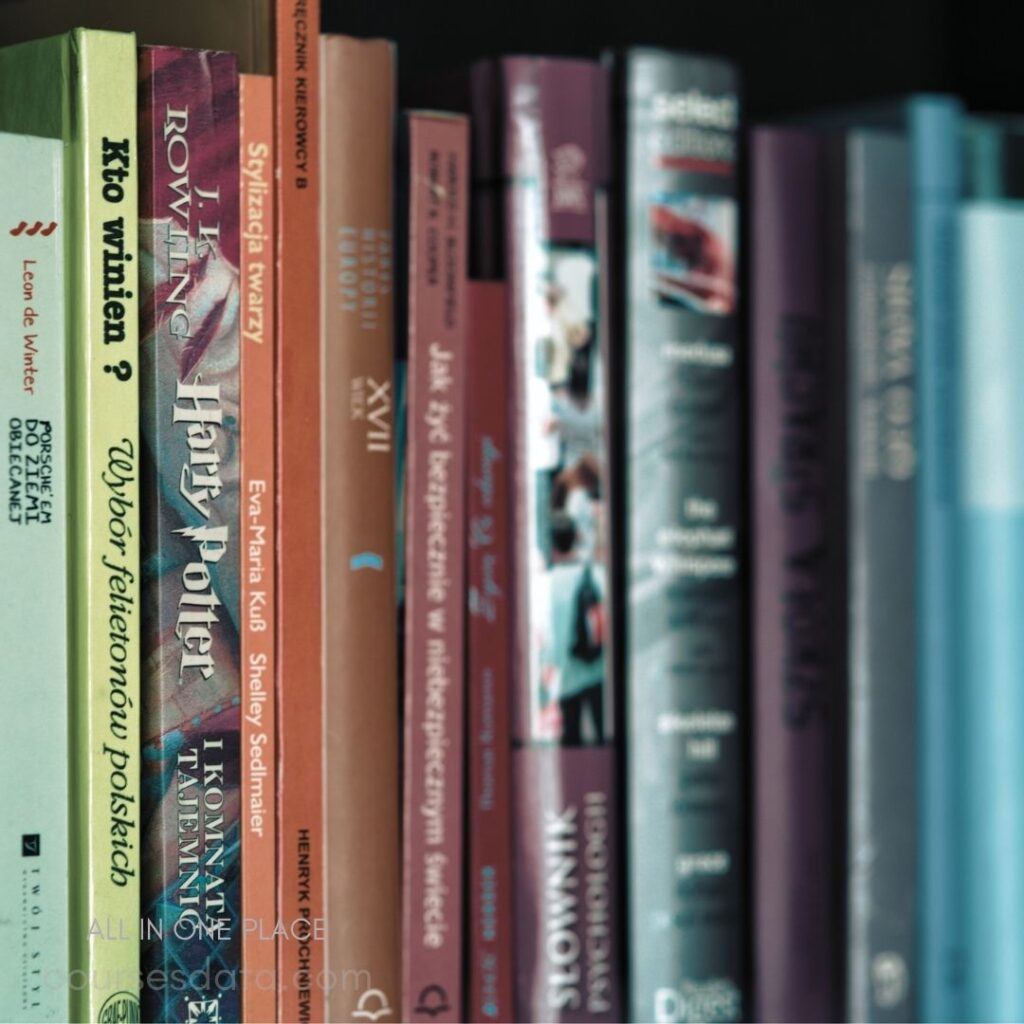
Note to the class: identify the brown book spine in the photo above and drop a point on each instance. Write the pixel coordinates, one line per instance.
(259, 748)
(488, 585)
(435, 560)
(361, 665)
(300, 878)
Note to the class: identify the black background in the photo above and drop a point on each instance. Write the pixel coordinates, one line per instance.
(794, 54)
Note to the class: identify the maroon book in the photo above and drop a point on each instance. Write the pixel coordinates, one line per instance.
(438, 176)
(798, 928)
(490, 842)
(542, 143)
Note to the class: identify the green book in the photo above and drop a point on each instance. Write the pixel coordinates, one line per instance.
(81, 88)
(34, 611)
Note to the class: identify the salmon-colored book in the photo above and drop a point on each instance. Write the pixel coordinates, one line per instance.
(361, 661)
(433, 838)
(300, 862)
(259, 747)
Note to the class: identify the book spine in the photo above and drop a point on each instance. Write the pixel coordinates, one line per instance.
(362, 716)
(553, 117)
(301, 873)
(882, 457)
(102, 202)
(189, 385)
(684, 643)
(935, 166)
(259, 588)
(796, 698)
(435, 561)
(33, 546)
(992, 232)
(487, 571)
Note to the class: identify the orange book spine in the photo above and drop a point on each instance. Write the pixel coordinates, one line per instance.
(361, 659)
(300, 878)
(259, 748)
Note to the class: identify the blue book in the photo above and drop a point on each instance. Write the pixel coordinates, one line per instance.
(934, 133)
(992, 554)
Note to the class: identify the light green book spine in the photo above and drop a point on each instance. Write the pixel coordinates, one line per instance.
(34, 603)
(82, 88)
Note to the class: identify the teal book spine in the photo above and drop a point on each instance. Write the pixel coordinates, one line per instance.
(34, 605)
(992, 552)
(934, 124)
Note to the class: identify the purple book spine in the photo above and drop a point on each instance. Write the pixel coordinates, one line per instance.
(550, 126)
(796, 850)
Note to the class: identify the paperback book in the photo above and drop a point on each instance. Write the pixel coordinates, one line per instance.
(191, 428)
(34, 893)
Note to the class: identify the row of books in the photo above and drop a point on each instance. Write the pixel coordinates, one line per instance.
(703, 700)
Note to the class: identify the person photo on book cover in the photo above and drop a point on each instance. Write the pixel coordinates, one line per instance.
(573, 655)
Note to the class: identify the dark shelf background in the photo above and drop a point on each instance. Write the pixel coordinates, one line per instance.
(794, 55)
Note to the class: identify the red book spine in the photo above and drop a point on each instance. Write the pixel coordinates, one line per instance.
(300, 878)
(259, 748)
(435, 561)
(487, 567)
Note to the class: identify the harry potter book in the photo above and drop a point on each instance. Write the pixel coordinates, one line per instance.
(189, 356)
(438, 173)
(259, 592)
(80, 89)
(361, 707)
(33, 617)
(543, 148)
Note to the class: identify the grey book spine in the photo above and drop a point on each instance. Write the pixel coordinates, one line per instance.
(683, 644)
(882, 464)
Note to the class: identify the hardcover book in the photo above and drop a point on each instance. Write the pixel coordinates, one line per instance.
(878, 338)
(301, 870)
(362, 715)
(34, 894)
(489, 736)
(258, 517)
(544, 136)
(190, 397)
(438, 173)
(683, 644)
(80, 88)
(798, 669)
(991, 415)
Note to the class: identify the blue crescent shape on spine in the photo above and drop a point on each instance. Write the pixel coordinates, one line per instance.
(366, 560)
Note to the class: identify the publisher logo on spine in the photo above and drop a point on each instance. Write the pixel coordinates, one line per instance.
(120, 1008)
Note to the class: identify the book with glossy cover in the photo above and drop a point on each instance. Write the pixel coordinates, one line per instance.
(879, 340)
(487, 676)
(438, 171)
(362, 713)
(301, 868)
(544, 135)
(191, 549)
(259, 599)
(991, 416)
(34, 619)
(798, 671)
(81, 88)
(934, 132)
(683, 642)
